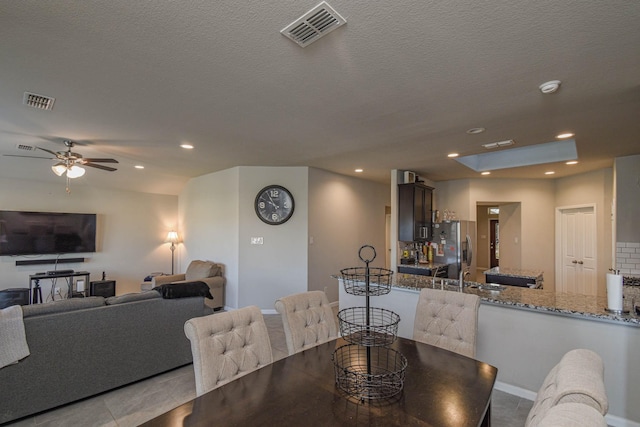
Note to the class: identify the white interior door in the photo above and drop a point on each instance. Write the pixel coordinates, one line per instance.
(578, 243)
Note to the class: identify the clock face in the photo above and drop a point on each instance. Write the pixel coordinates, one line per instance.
(274, 204)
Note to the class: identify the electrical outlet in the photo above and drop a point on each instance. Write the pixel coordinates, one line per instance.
(257, 240)
(57, 291)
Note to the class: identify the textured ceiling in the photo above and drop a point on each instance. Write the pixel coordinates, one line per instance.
(395, 88)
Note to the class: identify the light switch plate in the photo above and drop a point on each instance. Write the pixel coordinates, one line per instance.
(257, 240)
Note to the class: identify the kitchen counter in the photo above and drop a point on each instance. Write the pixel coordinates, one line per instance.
(582, 306)
(514, 277)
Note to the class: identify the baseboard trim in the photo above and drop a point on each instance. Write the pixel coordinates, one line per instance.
(516, 391)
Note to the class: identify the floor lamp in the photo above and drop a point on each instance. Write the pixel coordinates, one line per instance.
(173, 238)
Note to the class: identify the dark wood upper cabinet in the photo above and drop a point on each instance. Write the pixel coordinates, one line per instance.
(415, 202)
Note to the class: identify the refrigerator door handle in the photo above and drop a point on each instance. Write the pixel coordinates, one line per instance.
(469, 251)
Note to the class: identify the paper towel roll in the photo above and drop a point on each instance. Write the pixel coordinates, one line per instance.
(614, 292)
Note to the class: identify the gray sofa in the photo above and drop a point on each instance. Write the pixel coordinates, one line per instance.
(85, 346)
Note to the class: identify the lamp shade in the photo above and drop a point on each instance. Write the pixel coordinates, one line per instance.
(172, 237)
(59, 169)
(75, 171)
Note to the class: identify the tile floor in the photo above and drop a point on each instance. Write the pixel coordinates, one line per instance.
(144, 400)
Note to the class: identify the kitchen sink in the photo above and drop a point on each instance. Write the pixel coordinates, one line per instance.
(488, 287)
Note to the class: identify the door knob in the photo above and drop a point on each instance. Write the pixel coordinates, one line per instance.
(574, 261)
(580, 262)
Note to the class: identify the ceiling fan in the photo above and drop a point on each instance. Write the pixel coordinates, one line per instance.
(71, 163)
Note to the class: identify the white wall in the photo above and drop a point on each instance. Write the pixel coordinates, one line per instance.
(209, 223)
(345, 213)
(218, 219)
(535, 244)
(279, 266)
(592, 188)
(131, 230)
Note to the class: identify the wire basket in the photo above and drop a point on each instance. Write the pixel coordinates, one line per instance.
(379, 328)
(369, 372)
(366, 281)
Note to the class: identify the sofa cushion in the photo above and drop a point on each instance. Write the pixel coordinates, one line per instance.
(131, 297)
(184, 290)
(201, 270)
(62, 305)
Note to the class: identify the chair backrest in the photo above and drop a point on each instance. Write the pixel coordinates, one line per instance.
(308, 320)
(227, 345)
(201, 270)
(577, 378)
(573, 415)
(448, 320)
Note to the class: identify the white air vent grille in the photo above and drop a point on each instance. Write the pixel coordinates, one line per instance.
(316, 23)
(23, 147)
(38, 101)
(493, 145)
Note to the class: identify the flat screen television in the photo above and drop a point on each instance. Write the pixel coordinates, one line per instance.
(42, 233)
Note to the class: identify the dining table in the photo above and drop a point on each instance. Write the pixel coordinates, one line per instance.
(440, 388)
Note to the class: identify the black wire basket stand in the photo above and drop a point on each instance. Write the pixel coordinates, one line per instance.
(367, 368)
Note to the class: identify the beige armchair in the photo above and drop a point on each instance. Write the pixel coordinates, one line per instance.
(205, 271)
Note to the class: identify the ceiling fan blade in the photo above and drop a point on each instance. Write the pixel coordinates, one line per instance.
(106, 168)
(100, 160)
(30, 157)
(50, 152)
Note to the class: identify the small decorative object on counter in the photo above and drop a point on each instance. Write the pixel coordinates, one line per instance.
(366, 368)
(614, 293)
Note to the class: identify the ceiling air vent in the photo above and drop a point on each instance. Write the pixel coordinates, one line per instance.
(38, 101)
(316, 23)
(24, 147)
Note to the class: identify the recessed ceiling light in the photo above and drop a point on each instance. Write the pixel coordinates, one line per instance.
(474, 131)
(565, 135)
(139, 167)
(359, 170)
(572, 162)
(549, 173)
(486, 173)
(186, 146)
(551, 86)
(452, 155)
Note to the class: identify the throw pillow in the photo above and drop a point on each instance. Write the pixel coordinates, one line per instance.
(198, 270)
(184, 290)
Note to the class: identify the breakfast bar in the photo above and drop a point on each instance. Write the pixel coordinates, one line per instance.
(524, 332)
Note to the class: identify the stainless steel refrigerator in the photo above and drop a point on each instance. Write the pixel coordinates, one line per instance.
(454, 243)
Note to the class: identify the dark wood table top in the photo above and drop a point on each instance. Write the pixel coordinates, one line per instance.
(441, 388)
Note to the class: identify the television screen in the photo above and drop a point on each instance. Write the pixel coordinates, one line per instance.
(39, 233)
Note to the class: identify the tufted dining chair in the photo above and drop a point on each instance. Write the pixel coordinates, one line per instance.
(577, 378)
(308, 320)
(227, 345)
(448, 320)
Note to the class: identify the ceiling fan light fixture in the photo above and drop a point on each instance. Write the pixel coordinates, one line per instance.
(59, 169)
(75, 171)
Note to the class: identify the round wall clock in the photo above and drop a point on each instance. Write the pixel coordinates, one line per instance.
(274, 204)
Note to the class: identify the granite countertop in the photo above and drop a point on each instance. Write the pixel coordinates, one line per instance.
(515, 272)
(425, 265)
(580, 306)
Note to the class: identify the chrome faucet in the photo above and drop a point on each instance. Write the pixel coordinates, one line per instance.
(463, 274)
